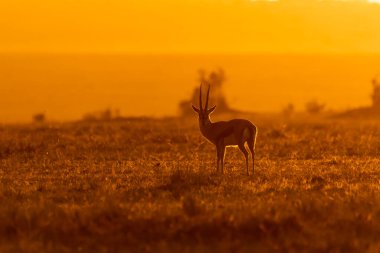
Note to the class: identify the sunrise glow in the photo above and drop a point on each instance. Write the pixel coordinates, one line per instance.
(247, 30)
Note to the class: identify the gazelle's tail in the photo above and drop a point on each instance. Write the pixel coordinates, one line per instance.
(253, 131)
(252, 144)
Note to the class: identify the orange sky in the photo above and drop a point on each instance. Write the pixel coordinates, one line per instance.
(340, 41)
(189, 26)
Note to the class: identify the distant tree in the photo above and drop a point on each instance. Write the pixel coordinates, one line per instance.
(314, 107)
(216, 79)
(39, 118)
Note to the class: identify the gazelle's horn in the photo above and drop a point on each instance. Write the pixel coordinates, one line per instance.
(208, 94)
(200, 97)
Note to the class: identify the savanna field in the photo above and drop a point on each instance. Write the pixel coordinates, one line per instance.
(150, 185)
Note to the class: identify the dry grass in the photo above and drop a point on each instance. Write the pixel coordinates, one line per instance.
(150, 186)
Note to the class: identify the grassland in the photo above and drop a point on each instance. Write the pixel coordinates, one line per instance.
(147, 185)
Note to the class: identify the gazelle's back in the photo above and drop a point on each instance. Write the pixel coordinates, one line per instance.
(233, 125)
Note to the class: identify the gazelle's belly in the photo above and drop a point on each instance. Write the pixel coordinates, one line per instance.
(232, 140)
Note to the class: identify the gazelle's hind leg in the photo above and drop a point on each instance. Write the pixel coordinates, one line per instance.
(245, 152)
(217, 159)
(252, 149)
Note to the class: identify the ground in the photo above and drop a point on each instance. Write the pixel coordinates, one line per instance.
(145, 185)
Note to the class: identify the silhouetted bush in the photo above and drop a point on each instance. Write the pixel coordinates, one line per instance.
(314, 107)
(107, 114)
(288, 110)
(39, 118)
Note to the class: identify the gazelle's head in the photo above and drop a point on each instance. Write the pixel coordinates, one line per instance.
(204, 113)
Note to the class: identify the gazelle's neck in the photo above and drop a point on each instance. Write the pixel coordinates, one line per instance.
(205, 126)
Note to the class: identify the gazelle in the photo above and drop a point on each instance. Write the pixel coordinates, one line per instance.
(223, 134)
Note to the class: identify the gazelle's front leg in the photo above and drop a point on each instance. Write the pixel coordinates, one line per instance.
(220, 155)
(242, 148)
(217, 159)
(223, 151)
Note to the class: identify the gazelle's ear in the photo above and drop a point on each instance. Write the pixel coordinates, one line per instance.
(195, 109)
(211, 109)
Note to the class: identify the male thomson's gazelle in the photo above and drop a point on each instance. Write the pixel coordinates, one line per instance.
(222, 134)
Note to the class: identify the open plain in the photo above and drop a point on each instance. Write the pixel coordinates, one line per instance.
(150, 185)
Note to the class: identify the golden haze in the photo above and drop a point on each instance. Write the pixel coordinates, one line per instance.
(197, 26)
(64, 57)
